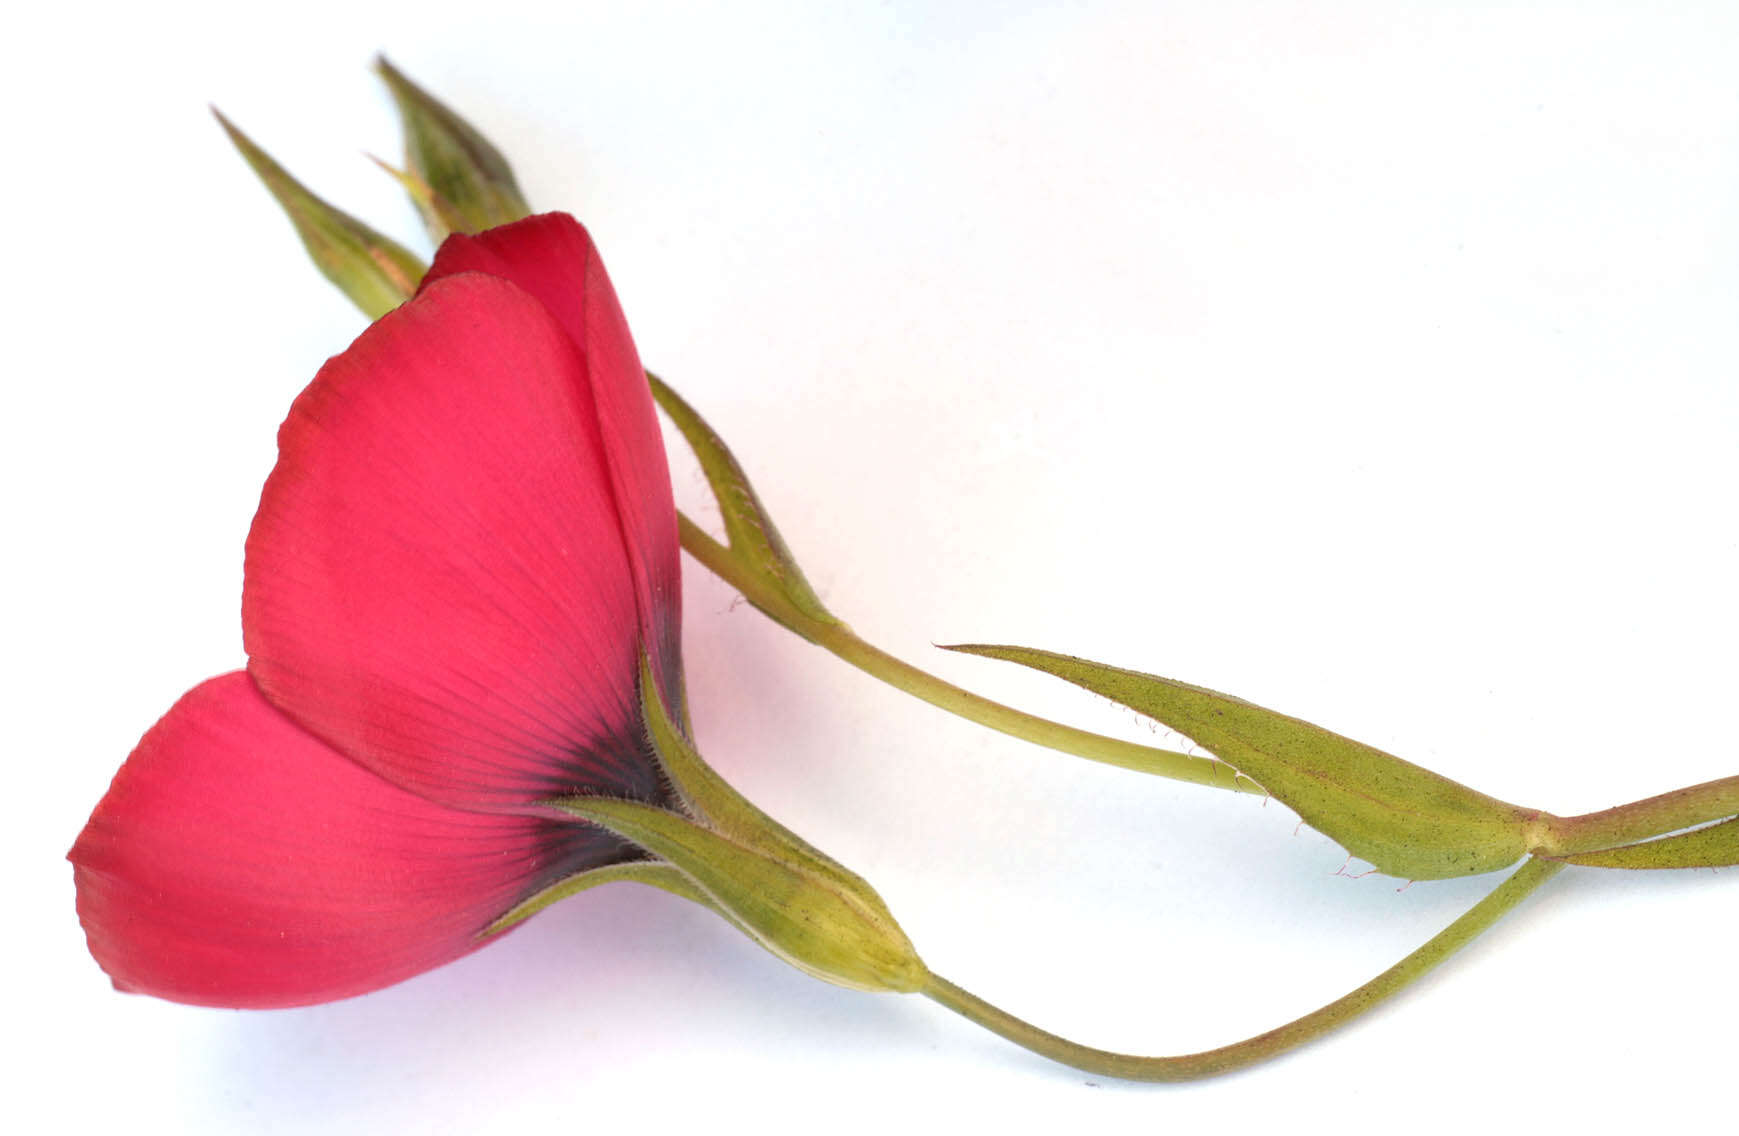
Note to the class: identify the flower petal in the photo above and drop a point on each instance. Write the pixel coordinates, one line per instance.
(238, 861)
(553, 257)
(435, 582)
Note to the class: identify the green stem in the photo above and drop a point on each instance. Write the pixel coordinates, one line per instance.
(1640, 820)
(1228, 1058)
(842, 641)
(1556, 836)
(757, 563)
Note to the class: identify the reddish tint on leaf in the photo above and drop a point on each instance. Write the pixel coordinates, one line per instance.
(238, 861)
(553, 257)
(465, 546)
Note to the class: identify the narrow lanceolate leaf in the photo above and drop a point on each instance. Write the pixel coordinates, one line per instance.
(472, 187)
(755, 542)
(1404, 820)
(1716, 846)
(376, 272)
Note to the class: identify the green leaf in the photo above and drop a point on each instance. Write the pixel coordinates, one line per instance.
(1715, 846)
(377, 273)
(1405, 820)
(755, 544)
(471, 186)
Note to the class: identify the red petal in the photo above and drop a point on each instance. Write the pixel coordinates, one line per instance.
(552, 257)
(435, 581)
(237, 861)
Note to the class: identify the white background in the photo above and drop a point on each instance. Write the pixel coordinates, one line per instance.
(1375, 361)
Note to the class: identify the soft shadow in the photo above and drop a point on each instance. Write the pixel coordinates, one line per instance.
(617, 977)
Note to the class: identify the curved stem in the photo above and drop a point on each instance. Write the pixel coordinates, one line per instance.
(1228, 1058)
(1556, 836)
(1640, 820)
(844, 642)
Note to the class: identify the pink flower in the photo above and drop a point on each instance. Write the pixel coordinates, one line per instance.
(466, 546)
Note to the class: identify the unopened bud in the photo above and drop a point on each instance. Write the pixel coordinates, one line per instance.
(470, 185)
(376, 272)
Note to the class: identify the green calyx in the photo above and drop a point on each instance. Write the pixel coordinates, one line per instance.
(845, 936)
(770, 883)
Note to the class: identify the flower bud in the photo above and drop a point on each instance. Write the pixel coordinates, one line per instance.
(470, 185)
(377, 273)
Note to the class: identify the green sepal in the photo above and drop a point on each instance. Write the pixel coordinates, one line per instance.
(376, 272)
(1404, 820)
(754, 541)
(650, 872)
(844, 936)
(424, 198)
(1714, 846)
(468, 177)
(705, 794)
